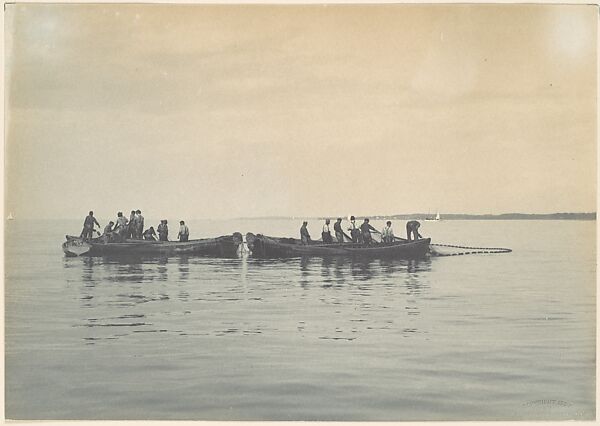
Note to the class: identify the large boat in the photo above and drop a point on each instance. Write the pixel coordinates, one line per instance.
(224, 246)
(262, 246)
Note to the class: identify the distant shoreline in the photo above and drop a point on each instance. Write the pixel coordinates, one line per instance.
(449, 216)
(413, 216)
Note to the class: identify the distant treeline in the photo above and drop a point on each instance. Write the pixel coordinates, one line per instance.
(504, 216)
(459, 216)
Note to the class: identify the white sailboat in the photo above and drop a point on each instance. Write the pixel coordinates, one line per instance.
(434, 219)
(10, 216)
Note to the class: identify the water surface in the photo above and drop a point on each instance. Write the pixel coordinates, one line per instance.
(483, 337)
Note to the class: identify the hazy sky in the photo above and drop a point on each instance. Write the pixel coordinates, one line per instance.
(199, 111)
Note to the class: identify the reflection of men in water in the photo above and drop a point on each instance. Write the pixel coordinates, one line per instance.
(366, 229)
(184, 231)
(88, 226)
(387, 235)
(304, 235)
(412, 229)
(326, 234)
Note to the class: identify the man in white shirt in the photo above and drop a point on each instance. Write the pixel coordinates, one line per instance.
(120, 229)
(184, 231)
(354, 231)
(387, 235)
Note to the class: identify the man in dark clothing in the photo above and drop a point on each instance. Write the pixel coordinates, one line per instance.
(108, 228)
(139, 225)
(366, 229)
(304, 235)
(163, 231)
(339, 233)
(149, 234)
(326, 234)
(107, 235)
(412, 228)
(88, 226)
(131, 226)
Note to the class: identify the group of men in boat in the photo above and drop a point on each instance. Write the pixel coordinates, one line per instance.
(132, 229)
(360, 234)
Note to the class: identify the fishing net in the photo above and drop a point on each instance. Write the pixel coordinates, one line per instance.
(454, 250)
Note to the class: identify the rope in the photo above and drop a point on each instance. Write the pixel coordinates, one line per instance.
(477, 250)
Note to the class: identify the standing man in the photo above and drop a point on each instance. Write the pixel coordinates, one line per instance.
(412, 228)
(339, 233)
(131, 226)
(326, 234)
(121, 227)
(366, 229)
(304, 235)
(184, 231)
(354, 231)
(88, 226)
(139, 225)
(163, 231)
(387, 235)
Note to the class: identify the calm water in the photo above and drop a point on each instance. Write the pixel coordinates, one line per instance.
(508, 336)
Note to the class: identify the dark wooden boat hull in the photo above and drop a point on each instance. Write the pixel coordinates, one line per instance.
(270, 247)
(224, 246)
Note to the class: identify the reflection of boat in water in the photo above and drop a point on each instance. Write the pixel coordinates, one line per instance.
(272, 247)
(224, 246)
(434, 219)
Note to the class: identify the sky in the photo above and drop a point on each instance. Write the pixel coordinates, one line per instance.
(224, 111)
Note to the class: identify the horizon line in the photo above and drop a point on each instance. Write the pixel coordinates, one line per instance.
(357, 216)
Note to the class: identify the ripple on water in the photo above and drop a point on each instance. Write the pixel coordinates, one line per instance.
(307, 339)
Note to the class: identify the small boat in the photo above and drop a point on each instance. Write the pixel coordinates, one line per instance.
(262, 246)
(10, 216)
(224, 246)
(433, 219)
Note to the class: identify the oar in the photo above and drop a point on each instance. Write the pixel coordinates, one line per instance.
(396, 238)
(377, 232)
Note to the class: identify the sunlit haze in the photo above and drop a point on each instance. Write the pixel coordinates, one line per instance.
(202, 111)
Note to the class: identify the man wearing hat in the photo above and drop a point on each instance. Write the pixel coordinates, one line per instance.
(163, 231)
(354, 231)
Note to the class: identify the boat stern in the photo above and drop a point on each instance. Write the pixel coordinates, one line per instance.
(75, 247)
